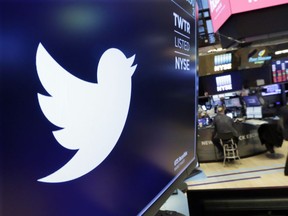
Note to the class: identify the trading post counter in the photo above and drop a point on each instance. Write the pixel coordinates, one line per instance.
(249, 143)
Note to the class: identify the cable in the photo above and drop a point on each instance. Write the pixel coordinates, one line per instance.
(232, 39)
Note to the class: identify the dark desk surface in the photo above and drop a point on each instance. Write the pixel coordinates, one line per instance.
(249, 143)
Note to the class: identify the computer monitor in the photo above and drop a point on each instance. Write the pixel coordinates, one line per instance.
(98, 105)
(257, 112)
(249, 112)
(251, 101)
(279, 70)
(254, 112)
(232, 102)
(273, 89)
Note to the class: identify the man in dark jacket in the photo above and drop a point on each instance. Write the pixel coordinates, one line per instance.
(223, 124)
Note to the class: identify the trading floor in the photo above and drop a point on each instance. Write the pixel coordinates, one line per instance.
(263, 170)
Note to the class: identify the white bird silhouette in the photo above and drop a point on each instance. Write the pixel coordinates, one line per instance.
(91, 115)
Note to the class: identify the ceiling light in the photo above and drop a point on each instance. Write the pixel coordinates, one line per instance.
(279, 52)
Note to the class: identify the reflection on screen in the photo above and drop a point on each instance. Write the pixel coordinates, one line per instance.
(233, 102)
(251, 100)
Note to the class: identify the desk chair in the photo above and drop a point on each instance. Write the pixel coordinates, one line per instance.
(230, 148)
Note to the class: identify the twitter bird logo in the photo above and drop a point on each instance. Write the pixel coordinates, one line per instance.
(91, 115)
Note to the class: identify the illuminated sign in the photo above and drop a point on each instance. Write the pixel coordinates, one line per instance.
(89, 155)
(224, 83)
(223, 62)
(260, 58)
(181, 40)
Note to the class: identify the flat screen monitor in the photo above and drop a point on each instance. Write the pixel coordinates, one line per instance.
(279, 70)
(257, 112)
(273, 89)
(223, 83)
(254, 112)
(249, 112)
(233, 102)
(98, 105)
(251, 101)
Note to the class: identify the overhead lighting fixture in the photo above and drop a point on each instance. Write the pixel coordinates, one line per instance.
(216, 50)
(280, 52)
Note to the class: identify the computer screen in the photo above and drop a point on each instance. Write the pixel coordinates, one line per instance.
(254, 112)
(257, 112)
(233, 102)
(273, 89)
(98, 105)
(279, 69)
(251, 101)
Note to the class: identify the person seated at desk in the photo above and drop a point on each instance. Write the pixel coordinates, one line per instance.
(223, 124)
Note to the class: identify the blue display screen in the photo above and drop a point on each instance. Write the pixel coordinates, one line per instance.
(97, 104)
(252, 101)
